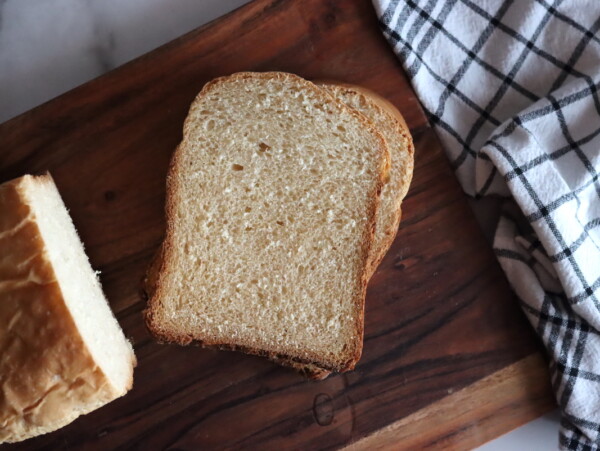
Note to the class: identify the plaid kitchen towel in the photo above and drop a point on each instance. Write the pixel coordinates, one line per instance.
(511, 88)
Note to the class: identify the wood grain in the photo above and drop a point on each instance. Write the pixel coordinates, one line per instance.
(469, 417)
(439, 314)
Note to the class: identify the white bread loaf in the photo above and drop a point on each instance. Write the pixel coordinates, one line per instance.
(62, 352)
(271, 203)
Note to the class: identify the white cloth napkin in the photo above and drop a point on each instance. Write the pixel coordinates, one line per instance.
(511, 88)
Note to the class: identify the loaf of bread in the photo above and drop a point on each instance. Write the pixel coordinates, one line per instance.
(390, 122)
(271, 207)
(62, 352)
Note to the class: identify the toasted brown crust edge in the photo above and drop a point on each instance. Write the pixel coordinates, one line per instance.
(154, 281)
(308, 369)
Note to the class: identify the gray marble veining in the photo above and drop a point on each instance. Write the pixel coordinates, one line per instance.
(50, 46)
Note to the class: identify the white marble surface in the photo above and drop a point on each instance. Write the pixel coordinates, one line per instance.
(50, 46)
(539, 435)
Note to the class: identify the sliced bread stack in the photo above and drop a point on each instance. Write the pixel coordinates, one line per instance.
(281, 202)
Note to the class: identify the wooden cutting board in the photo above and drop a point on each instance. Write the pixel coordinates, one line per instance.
(449, 359)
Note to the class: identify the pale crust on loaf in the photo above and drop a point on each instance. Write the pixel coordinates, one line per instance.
(384, 238)
(48, 376)
(161, 264)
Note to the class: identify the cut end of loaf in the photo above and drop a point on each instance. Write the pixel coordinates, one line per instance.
(271, 202)
(79, 283)
(71, 350)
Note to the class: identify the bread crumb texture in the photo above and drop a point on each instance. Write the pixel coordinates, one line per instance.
(271, 202)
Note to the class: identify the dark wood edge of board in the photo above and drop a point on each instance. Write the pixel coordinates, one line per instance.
(474, 415)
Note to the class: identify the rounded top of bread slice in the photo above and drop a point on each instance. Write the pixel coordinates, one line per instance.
(389, 121)
(271, 202)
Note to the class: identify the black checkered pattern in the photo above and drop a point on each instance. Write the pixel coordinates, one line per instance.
(511, 87)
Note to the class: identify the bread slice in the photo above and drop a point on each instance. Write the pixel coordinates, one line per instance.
(271, 202)
(63, 353)
(390, 122)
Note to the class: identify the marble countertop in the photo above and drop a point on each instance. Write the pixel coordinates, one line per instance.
(48, 47)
